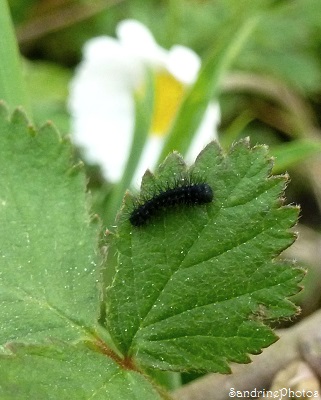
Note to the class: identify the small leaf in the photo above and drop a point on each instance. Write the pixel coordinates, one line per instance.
(195, 286)
(68, 372)
(48, 251)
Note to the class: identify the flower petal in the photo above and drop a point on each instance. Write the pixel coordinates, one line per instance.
(102, 105)
(148, 159)
(183, 63)
(207, 131)
(138, 40)
(102, 97)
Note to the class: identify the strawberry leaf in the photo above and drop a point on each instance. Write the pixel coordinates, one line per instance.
(196, 286)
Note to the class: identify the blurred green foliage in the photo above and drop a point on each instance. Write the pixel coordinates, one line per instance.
(284, 50)
(285, 45)
(272, 92)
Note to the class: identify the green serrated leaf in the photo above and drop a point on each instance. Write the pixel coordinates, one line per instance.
(48, 256)
(194, 287)
(68, 372)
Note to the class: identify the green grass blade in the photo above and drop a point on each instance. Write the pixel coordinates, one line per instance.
(205, 89)
(12, 86)
(292, 153)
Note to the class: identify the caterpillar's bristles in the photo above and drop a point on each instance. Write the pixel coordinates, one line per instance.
(186, 193)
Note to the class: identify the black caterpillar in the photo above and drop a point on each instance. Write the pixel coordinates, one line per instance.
(184, 194)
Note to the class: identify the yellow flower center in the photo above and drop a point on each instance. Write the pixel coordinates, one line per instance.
(168, 97)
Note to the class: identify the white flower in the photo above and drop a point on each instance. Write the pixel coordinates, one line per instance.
(102, 97)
